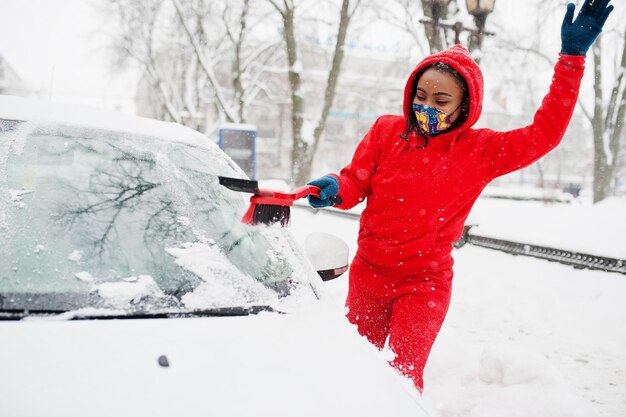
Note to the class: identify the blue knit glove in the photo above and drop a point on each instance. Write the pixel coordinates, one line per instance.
(329, 187)
(578, 35)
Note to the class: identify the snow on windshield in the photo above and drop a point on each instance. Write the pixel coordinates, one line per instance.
(129, 290)
(223, 284)
(13, 141)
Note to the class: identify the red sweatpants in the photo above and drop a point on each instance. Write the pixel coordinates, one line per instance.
(408, 309)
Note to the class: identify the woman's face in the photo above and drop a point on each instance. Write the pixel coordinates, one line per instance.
(440, 90)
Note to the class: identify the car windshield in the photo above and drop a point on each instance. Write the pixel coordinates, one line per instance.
(97, 218)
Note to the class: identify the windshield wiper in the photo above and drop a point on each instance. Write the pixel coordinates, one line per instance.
(165, 314)
(18, 314)
(226, 311)
(103, 314)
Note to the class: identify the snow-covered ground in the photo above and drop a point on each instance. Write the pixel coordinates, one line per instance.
(524, 337)
(580, 226)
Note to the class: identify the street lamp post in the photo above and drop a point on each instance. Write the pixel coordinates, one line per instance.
(479, 9)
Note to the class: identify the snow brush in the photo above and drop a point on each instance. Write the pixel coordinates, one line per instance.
(267, 206)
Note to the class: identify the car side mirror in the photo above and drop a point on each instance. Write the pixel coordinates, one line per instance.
(328, 254)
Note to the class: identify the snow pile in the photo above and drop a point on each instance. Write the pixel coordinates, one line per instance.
(16, 197)
(75, 256)
(85, 276)
(129, 290)
(574, 318)
(223, 284)
(499, 380)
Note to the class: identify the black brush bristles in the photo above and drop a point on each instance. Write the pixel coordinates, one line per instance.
(269, 214)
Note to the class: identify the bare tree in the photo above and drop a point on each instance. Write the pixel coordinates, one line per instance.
(607, 121)
(246, 57)
(413, 18)
(140, 40)
(607, 113)
(305, 147)
(435, 34)
(197, 55)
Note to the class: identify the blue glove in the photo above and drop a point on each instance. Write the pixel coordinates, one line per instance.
(329, 187)
(578, 35)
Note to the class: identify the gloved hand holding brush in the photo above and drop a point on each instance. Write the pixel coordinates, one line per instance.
(268, 207)
(329, 188)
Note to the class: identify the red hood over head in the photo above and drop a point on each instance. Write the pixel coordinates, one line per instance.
(459, 58)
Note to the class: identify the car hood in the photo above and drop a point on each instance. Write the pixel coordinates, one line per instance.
(309, 363)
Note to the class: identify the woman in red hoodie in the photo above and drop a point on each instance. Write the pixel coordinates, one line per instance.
(422, 172)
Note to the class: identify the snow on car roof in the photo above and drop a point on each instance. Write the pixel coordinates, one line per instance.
(18, 108)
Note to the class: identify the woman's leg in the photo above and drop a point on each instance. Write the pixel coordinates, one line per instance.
(417, 316)
(368, 308)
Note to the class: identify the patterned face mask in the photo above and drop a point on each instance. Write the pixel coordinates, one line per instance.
(432, 121)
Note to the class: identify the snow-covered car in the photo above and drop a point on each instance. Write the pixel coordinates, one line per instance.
(129, 286)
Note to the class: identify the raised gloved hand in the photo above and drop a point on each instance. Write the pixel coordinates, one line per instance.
(329, 188)
(578, 35)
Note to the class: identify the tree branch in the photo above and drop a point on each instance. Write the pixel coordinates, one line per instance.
(230, 115)
(335, 69)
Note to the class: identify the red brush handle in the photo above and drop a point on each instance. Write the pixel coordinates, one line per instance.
(306, 191)
(275, 198)
(284, 199)
(315, 192)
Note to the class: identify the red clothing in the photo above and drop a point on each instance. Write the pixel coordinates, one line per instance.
(407, 310)
(418, 201)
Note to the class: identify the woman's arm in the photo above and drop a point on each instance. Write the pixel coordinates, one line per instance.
(504, 152)
(355, 180)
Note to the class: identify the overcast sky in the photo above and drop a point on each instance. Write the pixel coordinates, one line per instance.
(56, 46)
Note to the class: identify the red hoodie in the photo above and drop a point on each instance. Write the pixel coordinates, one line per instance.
(418, 199)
